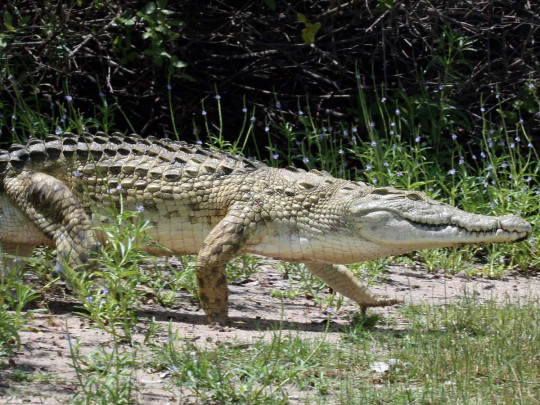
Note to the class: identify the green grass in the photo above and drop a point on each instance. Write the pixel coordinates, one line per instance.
(464, 353)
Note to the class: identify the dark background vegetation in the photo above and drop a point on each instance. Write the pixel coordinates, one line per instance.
(254, 53)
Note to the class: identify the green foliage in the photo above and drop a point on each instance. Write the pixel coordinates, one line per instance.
(160, 29)
(15, 295)
(105, 376)
(253, 373)
(310, 30)
(113, 305)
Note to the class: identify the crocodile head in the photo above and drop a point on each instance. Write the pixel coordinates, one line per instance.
(406, 220)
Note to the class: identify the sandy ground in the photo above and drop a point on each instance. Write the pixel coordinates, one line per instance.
(45, 348)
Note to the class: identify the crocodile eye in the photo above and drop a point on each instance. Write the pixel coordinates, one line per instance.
(414, 197)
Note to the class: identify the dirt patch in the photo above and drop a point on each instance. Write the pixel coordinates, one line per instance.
(45, 350)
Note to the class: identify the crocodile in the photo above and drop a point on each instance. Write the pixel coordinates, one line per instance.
(219, 206)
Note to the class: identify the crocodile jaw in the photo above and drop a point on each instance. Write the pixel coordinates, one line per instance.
(449, 228)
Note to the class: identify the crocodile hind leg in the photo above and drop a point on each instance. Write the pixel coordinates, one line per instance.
(56, 212)
(341, 279)
(220, 246)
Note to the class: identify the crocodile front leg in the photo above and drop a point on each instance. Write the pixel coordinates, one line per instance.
(341, 279)
(219, 247)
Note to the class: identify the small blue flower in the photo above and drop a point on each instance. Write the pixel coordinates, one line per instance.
(89, 299)
(105, 291)
(391, 132)
(199, 142)
(278, 104)
(383, 99)
(454, 137)
(58, 131)
(418, 139)
(517, 139)
(252, 119)
(374, 181)
(368, 167)
(266, 128)
(345, 133)
(373, 143)
(531, 86)
(512, 145)
(70, 339)
(203, 112)
(275, 156)
(353, 138)
(386, 164)
(119, 187)
(101, 94)
(305, 160)
(399, 174)
(300, 112)
(355, 129)
(139, 208)
(169, 87)
(69, 98)
(532, 241)
(77, 173)
(244, 110)
(341, 152)
(372, 124)
(398, 111)
(520, 121)
(452, 171)
(482, 155)
(482, 109)
(217, 97)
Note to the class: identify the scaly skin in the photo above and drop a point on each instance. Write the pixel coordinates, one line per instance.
(202, 201)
